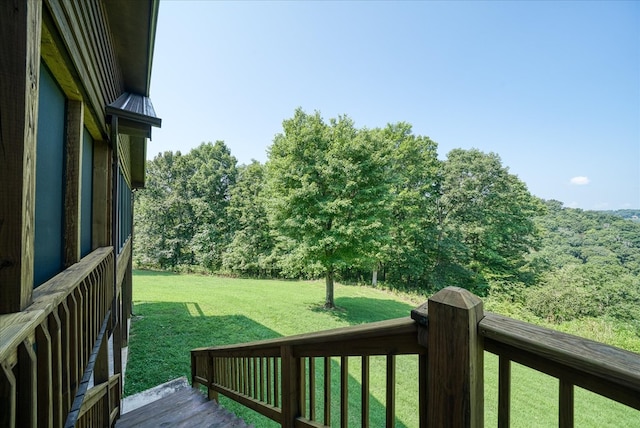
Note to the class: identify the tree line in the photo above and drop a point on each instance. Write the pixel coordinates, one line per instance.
(356, 204)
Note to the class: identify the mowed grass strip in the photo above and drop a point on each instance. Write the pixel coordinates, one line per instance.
(176, 313)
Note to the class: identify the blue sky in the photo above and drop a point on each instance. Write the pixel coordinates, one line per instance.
(551, 87)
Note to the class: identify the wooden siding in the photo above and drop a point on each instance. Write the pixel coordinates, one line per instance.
(20, 27)
(82, 28)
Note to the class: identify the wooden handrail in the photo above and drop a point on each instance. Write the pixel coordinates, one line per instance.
(270, 376)
(449, 334)
(605, 370)
(48, 350)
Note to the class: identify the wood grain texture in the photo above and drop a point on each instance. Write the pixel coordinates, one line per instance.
(73, 182)
(26, 383)
(8, 394)
(20, 28)
(455, 384)
(45, 375)
(604, 369)
(290, 387)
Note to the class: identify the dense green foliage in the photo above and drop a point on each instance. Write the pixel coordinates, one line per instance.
(327, 196)
(336, 201)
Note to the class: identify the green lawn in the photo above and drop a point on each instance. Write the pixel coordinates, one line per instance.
(175, 313)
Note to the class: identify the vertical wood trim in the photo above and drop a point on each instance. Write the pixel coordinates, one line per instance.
(20, 32)
(504, 392)
(27, 400)
(101, 195)
(8, 394)
(45, 376)
(73, 182)
(456, 357)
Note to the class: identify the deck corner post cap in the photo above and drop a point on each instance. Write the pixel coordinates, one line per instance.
(457, 297)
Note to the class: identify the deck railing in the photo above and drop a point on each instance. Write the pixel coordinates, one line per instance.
(49, 351)
(449, 334)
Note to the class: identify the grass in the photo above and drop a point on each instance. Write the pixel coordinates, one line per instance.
(176, 313)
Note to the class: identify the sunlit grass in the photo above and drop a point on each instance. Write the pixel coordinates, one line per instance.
(176, 313)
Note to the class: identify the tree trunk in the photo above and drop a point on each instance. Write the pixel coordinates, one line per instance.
(329, 304)
(374, 280)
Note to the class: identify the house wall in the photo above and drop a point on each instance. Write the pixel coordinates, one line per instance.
(61, 141)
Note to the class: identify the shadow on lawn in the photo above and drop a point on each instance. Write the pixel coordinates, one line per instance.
(163, 334)
(359, 310)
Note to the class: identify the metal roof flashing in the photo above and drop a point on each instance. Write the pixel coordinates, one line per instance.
(135, 114)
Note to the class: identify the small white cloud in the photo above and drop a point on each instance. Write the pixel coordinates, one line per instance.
(579, 181)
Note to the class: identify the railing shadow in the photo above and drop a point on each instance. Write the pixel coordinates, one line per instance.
(163, 333)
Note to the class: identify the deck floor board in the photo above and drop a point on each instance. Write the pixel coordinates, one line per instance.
(184, 408)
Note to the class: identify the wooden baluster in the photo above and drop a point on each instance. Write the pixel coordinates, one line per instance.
(255, 377)
(45, 375)
(235, 373)
(312, 388)
(504, 392)
(8, 393)
(365, 391)
(303, 388)
(344, 392)
(566, 404)
(67, 369)
(327, 391)
(80, 332)
(74, 364)
(245, 364)
(269, 380)
(27, 387)
(277, 402)
(84, 318)
(213, 370)
(391, 391)
(55, 332)
(261, 360)
(219, 370)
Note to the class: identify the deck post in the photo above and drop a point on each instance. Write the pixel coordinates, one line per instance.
(455, 353)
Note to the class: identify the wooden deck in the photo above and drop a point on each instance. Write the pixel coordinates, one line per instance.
(184, 408)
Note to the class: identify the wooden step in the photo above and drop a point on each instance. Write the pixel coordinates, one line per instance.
(183, 408)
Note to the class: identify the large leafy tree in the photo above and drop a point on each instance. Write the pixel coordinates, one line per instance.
(486, 216)
(328, 192)
(249, 251)
(163, 214)
(212, 174)
(409, 254)
(180, 217)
